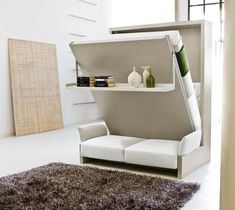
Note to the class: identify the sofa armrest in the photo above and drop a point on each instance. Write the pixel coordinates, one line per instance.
(189, 143)
(93, 130)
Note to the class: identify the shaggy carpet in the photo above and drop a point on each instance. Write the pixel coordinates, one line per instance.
(65, 187)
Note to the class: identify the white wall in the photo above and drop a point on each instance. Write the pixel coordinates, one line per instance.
(133, 12)
(49, 21)
(183, 10)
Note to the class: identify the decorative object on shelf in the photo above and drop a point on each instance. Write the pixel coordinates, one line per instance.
(104, 81)
(150, 80)
(85, 81)
(134, 79)
(145, 74)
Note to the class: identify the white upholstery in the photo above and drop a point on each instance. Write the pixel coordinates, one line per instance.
(153, 152)
(92, 130)
(189, 87)
(189, 143)
(192, 101)
(110, 147)
(197, 89)
(195, 114)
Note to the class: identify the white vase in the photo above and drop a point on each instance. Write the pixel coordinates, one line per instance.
(134, 79)
(145, 74)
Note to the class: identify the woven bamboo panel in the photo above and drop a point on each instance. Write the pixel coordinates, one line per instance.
(35, 87)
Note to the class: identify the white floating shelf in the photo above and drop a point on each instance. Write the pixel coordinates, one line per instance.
(161, 87)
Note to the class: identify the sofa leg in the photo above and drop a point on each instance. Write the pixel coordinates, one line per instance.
(192, 161)
(83, 160)
(179, 168)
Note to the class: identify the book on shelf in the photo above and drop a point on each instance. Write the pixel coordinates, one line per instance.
(104, 77)
(96, 85)
(86, 77)
(85, 85)
(105, 84)
(85, 81)
(105, 80)
(95, 81)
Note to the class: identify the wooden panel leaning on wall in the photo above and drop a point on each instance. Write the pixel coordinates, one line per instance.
(35, 87)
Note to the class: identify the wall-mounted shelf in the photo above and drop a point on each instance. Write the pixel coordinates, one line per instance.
(161, 87)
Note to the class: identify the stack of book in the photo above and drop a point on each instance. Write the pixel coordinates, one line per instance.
(85, 81)
(104, 81)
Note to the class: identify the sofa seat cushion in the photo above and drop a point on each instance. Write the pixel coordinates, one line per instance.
(153, 152)
(110, 147)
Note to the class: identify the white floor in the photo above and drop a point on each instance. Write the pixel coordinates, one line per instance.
(22, 153)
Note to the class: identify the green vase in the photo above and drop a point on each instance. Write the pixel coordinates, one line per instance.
(150, 80)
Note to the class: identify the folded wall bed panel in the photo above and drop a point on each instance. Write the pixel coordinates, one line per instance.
(150, 114)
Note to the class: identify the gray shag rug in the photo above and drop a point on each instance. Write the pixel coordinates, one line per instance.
(65, 187)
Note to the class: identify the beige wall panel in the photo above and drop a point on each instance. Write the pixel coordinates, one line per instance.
(228, 121)
(35, 87)
(147, 115)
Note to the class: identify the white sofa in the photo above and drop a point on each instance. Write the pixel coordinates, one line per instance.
(97, 143)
